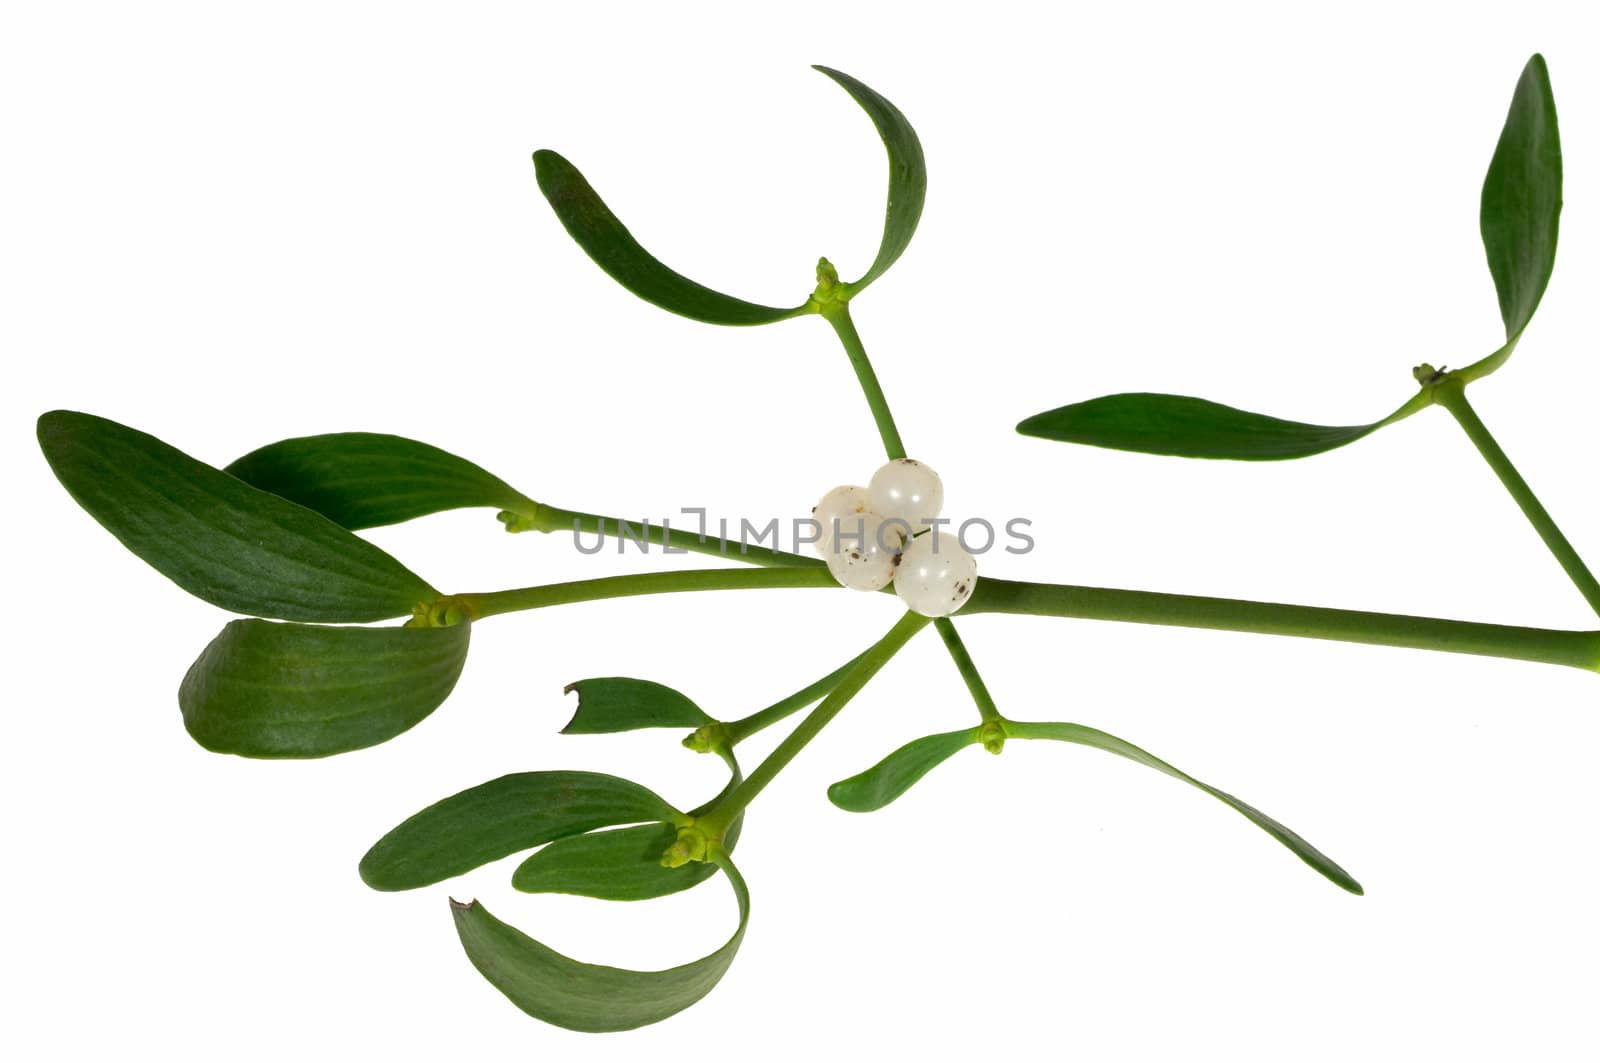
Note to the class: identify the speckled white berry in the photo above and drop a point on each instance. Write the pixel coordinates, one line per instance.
(935, 579)
(906, 490)
(844, 504)
(865, 554)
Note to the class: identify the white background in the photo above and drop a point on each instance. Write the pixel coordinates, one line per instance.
(229, 227)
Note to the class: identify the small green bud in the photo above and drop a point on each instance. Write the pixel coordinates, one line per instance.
(708, 739)
(691, 847)
(993, 736)
(516, 522)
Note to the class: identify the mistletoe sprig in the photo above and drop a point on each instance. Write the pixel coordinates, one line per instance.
(271, 537)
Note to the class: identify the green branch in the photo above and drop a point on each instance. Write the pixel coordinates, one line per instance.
(716, 822)
(1578, 649)
(1452, 395)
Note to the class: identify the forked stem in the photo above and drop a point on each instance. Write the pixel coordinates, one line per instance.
(715, 823)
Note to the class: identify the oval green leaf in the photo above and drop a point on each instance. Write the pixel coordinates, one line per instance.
(1185, 427)
(366, 479)
(1519, 213)
(606, 240)
(501, 817)
(622, 864)
(1089, 736)
(612, 704)
(293, 690)
(908, 175)
(896, 773)
(586, 996)
(217, 537)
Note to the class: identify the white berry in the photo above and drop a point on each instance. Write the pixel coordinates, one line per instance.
(864, 554)
(841, 507)
(906, 490)
(935, 579)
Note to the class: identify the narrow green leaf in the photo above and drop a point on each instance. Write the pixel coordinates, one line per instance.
(1088, 736)
(622, 864)
(1186, 427)
(585, 996)
(1520, 211)
(609, 705)
(606, 240)
(365, 480)
(501, 817)
(908, 175)
(896, 773)
(217, 537)
(293, 690)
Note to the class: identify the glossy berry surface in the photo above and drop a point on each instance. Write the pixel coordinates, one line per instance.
(906, 490)
(936, 575)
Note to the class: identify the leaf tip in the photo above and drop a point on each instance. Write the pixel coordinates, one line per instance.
(459, 906)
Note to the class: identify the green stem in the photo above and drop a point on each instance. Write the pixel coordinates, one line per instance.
(492, 603)
(554, 519)
(969, 671)
(861, 672)
(737, 731)
(1578, 649)
(1453, 397)
(837, 314)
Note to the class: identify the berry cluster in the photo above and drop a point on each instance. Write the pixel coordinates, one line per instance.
(889, 530)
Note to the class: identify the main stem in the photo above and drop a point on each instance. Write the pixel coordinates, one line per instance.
(1577, 649)
(1453, 397)
(861, 672)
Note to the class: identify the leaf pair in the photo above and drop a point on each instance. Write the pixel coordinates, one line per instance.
(1519, 217)
(271, 537)
(613, 248)
(900, 770)
(624, 865)
(517, 812)
(561, 811)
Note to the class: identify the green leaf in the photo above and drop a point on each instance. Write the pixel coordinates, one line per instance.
(609, 705)
(606, 240)
(501, 817)
(1186, 427)
(217, 537)
(622, 864)
(896, 773)
(365, 480)
(908, 175)
(1520, 212)
(1088, 736)
(586, 996)
(291, 690)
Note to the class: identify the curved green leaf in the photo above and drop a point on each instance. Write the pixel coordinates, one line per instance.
(908, 175)
(1089, 736)
(612, 704)
(622, 864)
(587, 996)
(501, 817)
(896, 773)
(1520, 211)
(606, 240)
(365, 479)
(217, 537)
(1185, 427)
(291, 690)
